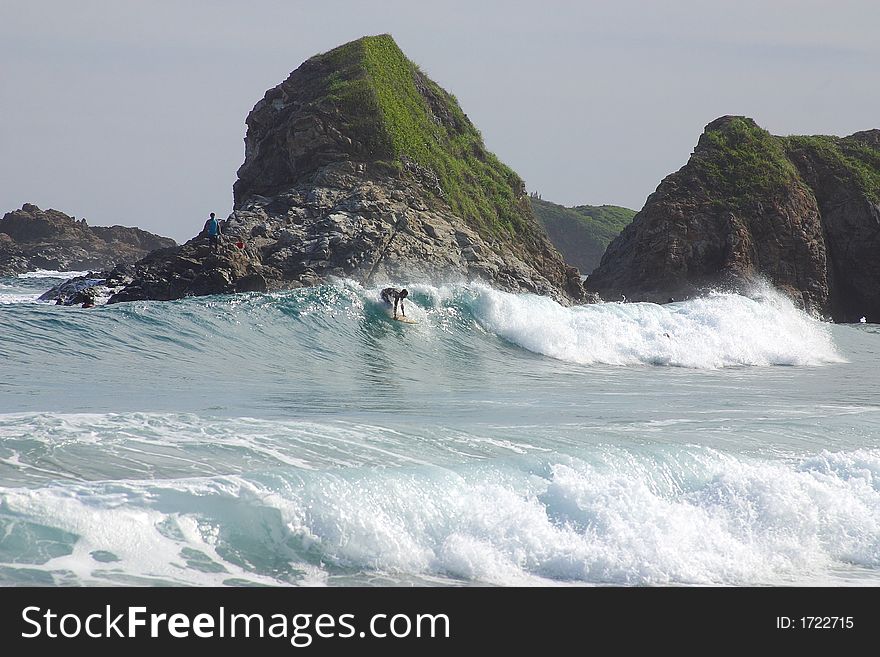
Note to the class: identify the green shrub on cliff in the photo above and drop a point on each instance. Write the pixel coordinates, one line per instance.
(848, 156)
(399, 114)
(741, 163)
(605, 221)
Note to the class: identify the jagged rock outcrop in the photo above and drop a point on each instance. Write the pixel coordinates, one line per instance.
(844, 176)
(359, 166)
(801, 212)
(32, 239)
(92, 288)
(583, 232)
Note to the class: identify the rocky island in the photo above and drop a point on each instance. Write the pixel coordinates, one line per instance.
(360, 166)
(802, 212)
(31, 239)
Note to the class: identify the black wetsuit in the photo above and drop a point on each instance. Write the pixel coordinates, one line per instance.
(393, 296)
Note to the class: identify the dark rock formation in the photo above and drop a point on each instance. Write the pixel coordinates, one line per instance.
(75, 290)
(583, 232)
(32, 239)
(91, 288)
(359, 166)
(844, 176)
(801, 212)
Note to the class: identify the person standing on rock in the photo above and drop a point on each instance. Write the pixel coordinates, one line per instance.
(212, 227)
(390, 294)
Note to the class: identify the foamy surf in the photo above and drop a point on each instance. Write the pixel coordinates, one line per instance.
(9, 298)
(719, 330)
(613, 516)
(303, 437)
(52, 273)
(716, 331)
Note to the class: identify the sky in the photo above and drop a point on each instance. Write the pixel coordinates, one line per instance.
(133, 113)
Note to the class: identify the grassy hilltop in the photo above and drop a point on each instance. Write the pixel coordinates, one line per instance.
(401, 115)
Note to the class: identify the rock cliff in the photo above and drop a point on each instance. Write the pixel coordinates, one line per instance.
(801, 212)
(32, 239)
(359, 166)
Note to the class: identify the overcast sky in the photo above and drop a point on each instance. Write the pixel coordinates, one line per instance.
(133, 112)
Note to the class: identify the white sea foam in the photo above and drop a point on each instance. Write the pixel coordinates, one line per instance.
(52, 273)
(719, 330)
(107, 535)
(674, 517)
(11, 298)
(621, 521)
(710, 332)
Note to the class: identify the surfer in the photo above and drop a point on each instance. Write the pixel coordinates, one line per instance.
(392, 293)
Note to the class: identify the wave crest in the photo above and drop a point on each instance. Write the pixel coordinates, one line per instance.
(719, 330)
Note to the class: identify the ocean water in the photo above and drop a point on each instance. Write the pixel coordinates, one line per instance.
(303, 438)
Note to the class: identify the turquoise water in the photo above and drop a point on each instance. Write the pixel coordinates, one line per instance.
(304, 438)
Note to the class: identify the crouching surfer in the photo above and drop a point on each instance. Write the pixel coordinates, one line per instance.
(391, 295)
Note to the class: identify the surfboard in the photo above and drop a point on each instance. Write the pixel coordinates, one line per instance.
(400, 318)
